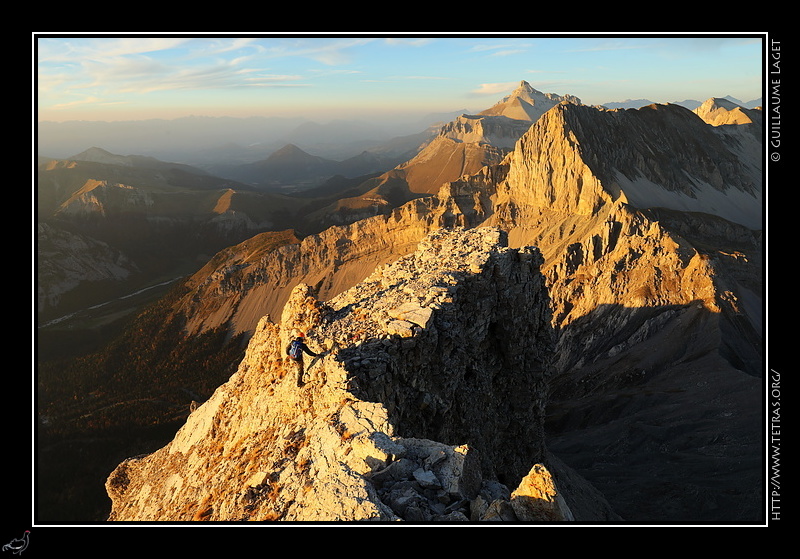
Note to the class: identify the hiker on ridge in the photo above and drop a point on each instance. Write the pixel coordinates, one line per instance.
(295, 350)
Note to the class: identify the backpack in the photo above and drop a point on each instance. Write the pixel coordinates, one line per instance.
(296, 349)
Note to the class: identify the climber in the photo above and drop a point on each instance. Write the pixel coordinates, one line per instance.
(295, 350)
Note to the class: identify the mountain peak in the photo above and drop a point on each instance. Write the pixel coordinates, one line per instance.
(289, 149)
(524, 88)
(99, 155)
(719, 111)
(94, 150)
(723, 102)
(527, 103)
(291, 154)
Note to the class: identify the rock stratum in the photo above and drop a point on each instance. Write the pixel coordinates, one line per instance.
(426, 402)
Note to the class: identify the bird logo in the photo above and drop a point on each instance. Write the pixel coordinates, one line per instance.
(18, 545)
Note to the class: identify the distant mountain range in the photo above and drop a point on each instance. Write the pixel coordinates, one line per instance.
(201, 141)
(690, 104)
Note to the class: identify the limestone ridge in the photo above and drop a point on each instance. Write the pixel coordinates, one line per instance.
(429, 395)
(488, 347)
(237, 289)
(560, 167)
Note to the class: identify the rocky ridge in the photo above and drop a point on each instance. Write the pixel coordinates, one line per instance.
(367, 437)
(644, 297)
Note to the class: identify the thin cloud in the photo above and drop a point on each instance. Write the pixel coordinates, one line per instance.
(80, 50)
(402, 78)
(235, 44)
(145, 75)
(408, 42)
(508, 52)
(501, 49)
(140, 65)
(494, 88)
(84, 102)
(335, 52)
(275, 81)
(610, 46)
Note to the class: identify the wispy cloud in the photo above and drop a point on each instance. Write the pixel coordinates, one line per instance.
(495, 88)
(83, 71)
(172, 72)
(409, 41)
(79, 50)
(261, 80)
(609, 46)
(501, 49)
(330, 52)
(411, 77)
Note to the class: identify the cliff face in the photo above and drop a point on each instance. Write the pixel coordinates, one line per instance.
(426, 403)
(496, 130)
(488, 346)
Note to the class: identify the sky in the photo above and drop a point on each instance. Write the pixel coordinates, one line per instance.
(132, 77)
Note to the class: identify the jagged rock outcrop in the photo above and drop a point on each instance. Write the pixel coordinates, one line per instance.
(486, 343)
(604, 251)
(418, 426)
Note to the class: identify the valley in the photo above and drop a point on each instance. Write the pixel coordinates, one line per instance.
(649, 225)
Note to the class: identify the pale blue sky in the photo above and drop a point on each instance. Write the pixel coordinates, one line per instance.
(160, 76)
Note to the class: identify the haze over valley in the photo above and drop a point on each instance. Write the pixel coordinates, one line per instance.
(205, 141)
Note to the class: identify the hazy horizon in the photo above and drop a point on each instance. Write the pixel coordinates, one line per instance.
(163, 76)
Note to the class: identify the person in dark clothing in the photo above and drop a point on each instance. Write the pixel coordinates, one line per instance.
(297, 347)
